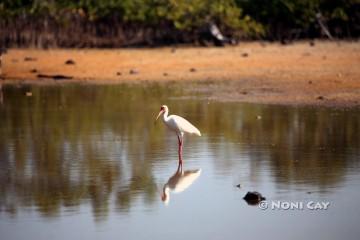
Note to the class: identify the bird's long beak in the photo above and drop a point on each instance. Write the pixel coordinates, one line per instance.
(163, 197)
(161, 111)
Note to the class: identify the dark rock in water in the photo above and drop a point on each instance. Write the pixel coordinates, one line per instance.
(28, 59)
(70, 62)
(55, 77)
(133, 71)
(253, 198)
(192, 70)
(238, 186)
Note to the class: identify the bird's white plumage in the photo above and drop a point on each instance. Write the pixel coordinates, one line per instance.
(181, 125)
(178, 124)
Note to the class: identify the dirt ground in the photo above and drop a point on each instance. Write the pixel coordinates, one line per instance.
(326, 73)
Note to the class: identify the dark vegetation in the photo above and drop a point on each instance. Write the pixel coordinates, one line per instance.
(114, 23)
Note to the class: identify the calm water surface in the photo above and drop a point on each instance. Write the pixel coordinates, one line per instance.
(88, 162)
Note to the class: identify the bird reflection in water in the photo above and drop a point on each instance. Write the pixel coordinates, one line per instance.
(178, 182)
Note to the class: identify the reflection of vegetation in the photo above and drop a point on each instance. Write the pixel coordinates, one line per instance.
(311, 146)
(65, 145)
(70, 145)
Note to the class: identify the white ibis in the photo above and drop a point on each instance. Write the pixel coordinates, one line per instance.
(178, 125)
(179, 182)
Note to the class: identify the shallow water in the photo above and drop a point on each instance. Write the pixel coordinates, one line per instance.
(88, 162)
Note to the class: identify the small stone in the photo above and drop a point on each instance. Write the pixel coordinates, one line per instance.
(118, 73)
(34, 70)
(55, 77)
(258, 117)
(310, 82)
(312, 43)
(192, 70)
(70, 62)
(165, 74)
(28, 94)
(245, 54)
(238, 186)
(320, 98)
(28, 59)
(133, 71)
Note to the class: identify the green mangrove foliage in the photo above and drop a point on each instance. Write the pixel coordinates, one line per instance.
(109, 23)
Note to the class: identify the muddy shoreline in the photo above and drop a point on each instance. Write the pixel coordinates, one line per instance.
(324, 74)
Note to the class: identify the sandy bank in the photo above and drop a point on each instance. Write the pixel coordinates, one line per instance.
(327, 73)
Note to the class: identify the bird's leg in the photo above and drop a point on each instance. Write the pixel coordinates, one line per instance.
(179, 168)
(180, 150)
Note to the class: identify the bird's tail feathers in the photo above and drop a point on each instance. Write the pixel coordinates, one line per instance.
(197, 133)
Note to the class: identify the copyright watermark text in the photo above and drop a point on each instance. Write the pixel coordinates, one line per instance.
(294, 205)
